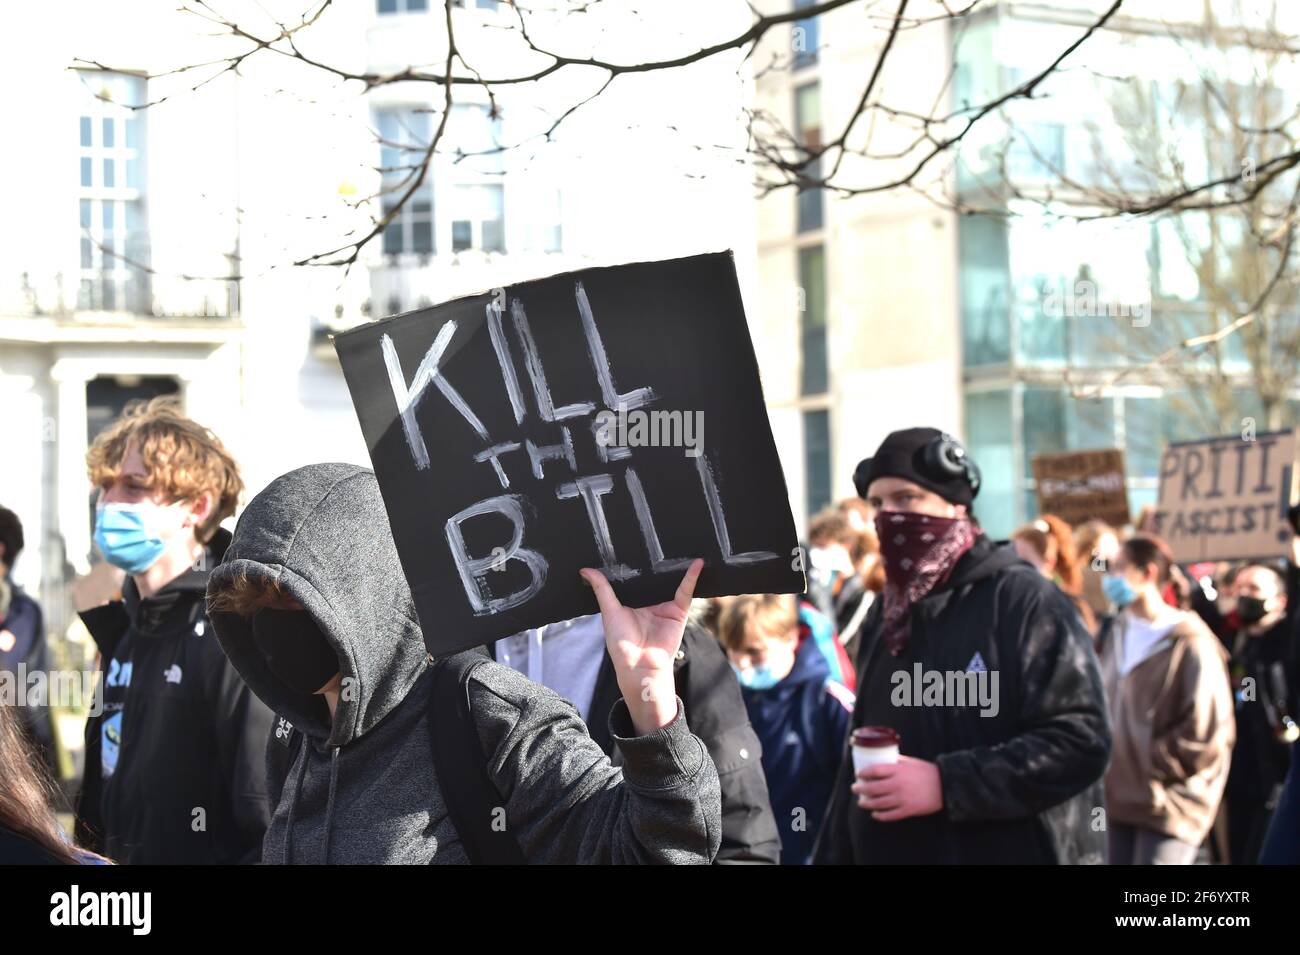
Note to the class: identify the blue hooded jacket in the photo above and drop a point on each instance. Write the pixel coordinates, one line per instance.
(802, 723)
(1282, 843)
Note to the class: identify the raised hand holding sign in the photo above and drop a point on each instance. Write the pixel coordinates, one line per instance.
(643, 644)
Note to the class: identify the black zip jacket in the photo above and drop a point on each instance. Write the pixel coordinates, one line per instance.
(1261, 757)
(712, 702)
(189, 784)
(1019, 786)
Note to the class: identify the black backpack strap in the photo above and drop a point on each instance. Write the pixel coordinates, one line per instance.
(473, 802)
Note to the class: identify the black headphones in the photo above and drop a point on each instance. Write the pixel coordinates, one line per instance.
(944, 458)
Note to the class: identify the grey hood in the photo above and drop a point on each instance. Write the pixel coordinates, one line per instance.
(368, 791)
(302, 531)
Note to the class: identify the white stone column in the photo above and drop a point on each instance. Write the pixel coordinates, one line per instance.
(70, 378)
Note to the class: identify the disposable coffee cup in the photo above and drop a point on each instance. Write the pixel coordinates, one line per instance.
(872, 745)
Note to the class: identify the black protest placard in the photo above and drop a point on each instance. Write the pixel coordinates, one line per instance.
(1227, 498)
(608, 418)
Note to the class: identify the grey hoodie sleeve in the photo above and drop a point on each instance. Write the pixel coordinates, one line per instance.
(564, 799)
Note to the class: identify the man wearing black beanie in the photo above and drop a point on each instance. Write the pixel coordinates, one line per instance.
(979, 669)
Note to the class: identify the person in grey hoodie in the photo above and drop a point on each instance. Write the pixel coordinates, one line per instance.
(311, 594)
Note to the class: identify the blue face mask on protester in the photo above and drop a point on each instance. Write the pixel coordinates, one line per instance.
(1118, 590)
(756, 678)
(123, 536)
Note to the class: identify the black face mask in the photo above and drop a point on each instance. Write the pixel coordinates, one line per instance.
(295, 649)
(1251, 609)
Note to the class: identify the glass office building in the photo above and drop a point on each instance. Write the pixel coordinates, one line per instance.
(1065, 308)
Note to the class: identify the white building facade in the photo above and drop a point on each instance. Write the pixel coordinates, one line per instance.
(154, 226)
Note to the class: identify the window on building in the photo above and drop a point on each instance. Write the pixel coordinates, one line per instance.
(421, 5)
(470, 191)
(808, 130)
(984, 268)
(804, 37)
(1036, 151)
(1143, 439)
(1091, 423)
(541, 224)
(476, 138)
(812, 320)
(1054, 420)
(478, 218)
(991, 440)
(403, 6)
(114, 237)
(817, 460)
(478, 196)
(404, 136)
(1042, 331)
(1043, 421)
(811, 200)
(107, 397)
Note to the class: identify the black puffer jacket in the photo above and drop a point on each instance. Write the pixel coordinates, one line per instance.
(1021, 785)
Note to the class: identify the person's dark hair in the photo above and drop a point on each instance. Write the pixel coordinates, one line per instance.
(1277, 574)
(1143, 550)
(11, 536)
(26, 792)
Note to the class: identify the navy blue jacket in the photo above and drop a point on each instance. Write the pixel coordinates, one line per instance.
(802, 723)
(26, 623)
(1282, 844)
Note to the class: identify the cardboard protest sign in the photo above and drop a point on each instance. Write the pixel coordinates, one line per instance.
(609, 418)
(1227, 498)
(1079, 486)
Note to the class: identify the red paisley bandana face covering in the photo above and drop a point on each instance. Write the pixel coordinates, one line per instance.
(919, 552)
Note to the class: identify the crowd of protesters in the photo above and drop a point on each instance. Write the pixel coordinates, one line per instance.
(1073, 695)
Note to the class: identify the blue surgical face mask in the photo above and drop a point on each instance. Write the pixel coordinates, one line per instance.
(1118, 590)
(125, 536)
(756, 678)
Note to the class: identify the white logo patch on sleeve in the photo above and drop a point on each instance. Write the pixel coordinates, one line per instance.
(283, 731)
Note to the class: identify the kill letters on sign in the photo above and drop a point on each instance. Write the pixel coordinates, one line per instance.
(609, 418)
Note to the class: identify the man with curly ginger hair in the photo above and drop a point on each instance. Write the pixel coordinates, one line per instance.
(174, 764)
